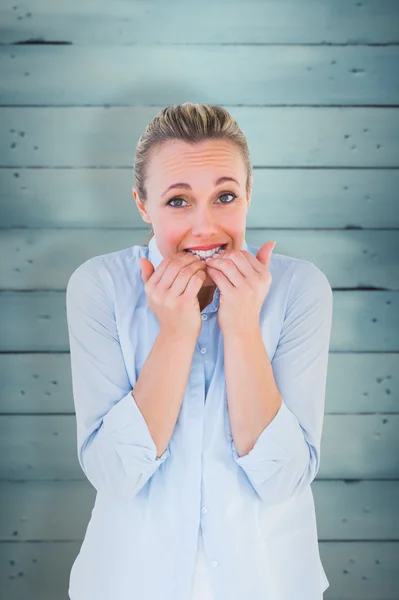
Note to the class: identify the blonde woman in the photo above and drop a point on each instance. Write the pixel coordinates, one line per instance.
(199, 383)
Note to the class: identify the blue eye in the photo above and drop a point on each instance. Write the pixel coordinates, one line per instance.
(177, 199)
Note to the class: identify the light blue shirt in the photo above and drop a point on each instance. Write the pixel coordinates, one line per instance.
(256, 512)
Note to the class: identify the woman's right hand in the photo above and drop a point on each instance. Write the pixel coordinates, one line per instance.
(171, 290)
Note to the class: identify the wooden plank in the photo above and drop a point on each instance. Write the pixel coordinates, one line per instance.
(295, 75)
(295, 198)
(44, 259)
(361, 570)
(44, 447)
(250, 21)
(359, 447)
(39, 383)
(298, 136)
(37, 570)
(356, 510)
(46, 510)
(356, 383)
(363, 321)
(362, 383)
(61, 510)
(355, 570)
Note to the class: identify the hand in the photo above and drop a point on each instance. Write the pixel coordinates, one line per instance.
(171, 290)
(244, 282)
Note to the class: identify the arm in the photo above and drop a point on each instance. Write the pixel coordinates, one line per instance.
(252, 395)
(285, 457)
(121, 440)
(163, 379)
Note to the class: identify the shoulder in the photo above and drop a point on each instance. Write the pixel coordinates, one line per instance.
(104, 273)
(294, 278)
(307, 280)
(308, 290)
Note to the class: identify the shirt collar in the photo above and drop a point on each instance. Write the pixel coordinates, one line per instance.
(155, 257)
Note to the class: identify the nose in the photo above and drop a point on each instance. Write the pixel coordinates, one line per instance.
(204, 223)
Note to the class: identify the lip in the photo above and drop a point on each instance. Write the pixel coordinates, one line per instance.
(206, 247)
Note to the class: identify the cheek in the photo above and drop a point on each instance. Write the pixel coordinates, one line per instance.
(171, 242)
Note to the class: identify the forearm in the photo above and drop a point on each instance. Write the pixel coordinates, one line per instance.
(160, 387)
(252, 393)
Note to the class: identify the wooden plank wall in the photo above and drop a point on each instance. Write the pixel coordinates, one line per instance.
(313, 85)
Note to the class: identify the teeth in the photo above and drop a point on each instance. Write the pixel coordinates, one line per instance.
(205, 253)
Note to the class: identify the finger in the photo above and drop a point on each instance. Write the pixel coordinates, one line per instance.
(253, 261)
(147, 269)
(221, 280)
(195, 283)
(169, 268)
(184, 276)
(234, 264)
(229, 269)
(159, 271)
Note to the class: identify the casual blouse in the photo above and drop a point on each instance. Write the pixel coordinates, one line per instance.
(200, 522)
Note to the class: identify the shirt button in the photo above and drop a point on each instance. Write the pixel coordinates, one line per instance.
(204, 317)
(204, 510)
(214, 563)
(203, 350)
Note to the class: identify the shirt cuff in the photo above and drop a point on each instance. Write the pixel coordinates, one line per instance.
(281, 439)
(126, 427)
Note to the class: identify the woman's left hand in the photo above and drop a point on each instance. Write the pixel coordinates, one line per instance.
(244, 282)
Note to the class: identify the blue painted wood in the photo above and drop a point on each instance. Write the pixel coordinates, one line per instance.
(152, 75)
(363, 321)
(245, 21)
(46, 510)
(356, 570)
(281, 197)
(40, 383)
(299, 137)
(353, 446)
(330, 163)
(44, 259)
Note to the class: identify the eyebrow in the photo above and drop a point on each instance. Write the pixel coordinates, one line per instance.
(187, 186)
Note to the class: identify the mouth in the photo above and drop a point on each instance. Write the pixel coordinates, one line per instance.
(221, 247)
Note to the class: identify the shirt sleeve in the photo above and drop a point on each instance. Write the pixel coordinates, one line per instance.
(115, 448)
(286, 456)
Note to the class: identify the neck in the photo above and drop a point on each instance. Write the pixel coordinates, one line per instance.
(205, 296)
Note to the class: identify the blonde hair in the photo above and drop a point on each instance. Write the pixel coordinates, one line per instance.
(191, 123)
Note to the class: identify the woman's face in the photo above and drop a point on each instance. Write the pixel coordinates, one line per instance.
(203, 214)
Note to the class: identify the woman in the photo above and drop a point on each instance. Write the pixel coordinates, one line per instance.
(199, 383)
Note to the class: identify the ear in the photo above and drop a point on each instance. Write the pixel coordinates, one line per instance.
(249, 196)
(141, 206)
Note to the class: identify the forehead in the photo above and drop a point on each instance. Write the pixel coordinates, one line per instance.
(177, 157)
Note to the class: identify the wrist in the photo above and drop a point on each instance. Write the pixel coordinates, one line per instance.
(247, 332)
(179, 333)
